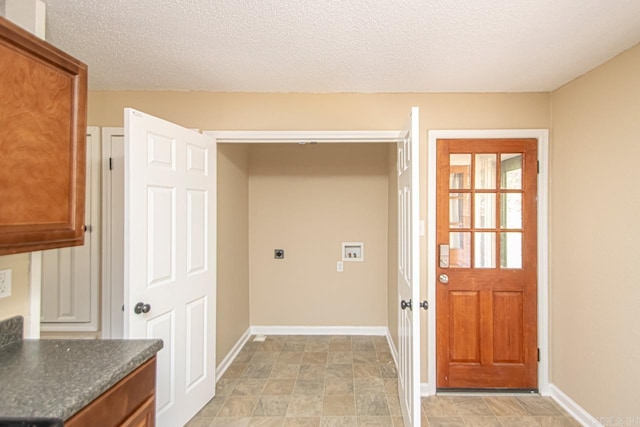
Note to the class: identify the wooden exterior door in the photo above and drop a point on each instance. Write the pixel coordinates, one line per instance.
(486, 268)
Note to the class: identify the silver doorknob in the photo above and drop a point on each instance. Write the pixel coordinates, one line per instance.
(406, 304)
(141, 308)
(443, 278)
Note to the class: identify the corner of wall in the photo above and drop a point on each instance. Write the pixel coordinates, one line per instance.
(575, 410)
(233, 311)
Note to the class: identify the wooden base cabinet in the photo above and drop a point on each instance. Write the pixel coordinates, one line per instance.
(129, 403)
(144, 416)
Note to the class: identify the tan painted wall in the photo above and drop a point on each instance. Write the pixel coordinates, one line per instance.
(392, 250)
(595, 225)
(233, 247)
(251, 111)
(307, 200)
(18, 302)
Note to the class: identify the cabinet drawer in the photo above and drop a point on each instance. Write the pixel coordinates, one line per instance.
(131, 398)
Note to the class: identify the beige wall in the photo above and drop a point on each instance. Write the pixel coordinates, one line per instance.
(18, 302)
(594, 209)
(265, 111)
(259, 111)
(233, 247)
(392, 250)
(307, 200)
(595, 225)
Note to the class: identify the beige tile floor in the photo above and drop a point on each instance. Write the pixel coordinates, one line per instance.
(346, 381)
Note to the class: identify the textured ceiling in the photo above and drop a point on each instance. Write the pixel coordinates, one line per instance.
(341, 45)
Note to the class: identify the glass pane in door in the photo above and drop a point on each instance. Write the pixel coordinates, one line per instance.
(460, 210)
(485, 210)
(485, 171)
(459, 171)
(485, 250)
(511, 250)
(511, 210)
(459, 249)
(511, 171)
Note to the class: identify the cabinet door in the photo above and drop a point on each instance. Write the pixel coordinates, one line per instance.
(131, 402)
(144, 415)
(70, 276)
(42, 143)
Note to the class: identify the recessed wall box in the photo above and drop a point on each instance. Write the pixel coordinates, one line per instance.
(352, 251)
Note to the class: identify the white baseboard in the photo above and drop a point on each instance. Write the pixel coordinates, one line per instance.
(228, 359)
(424, 390)
(392, 347)
(319, 330)
(424, 387)
(575, 410)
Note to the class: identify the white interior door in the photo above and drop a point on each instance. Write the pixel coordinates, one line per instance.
(170, 258)
(409, 272)
(70, 276)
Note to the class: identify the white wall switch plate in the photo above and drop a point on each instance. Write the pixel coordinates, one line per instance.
(5, 283)
(340, 267)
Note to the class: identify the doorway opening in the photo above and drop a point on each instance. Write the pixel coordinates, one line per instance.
(407, 146)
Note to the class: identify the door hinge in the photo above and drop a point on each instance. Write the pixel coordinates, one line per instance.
(538, 166)
(538, 355)
(110, 163)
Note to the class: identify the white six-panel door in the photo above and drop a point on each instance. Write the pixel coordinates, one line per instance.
(409, 273)
(170, 258)
(70, 276)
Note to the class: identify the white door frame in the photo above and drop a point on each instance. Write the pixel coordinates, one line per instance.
(542, 135)
(108, 307)
(306, 137)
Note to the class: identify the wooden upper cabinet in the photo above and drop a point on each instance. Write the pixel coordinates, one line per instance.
(43, 110)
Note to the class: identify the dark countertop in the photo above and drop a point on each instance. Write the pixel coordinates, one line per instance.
(57, 378)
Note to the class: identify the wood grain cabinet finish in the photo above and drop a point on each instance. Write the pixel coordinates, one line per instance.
(129, 403)
(43, 109)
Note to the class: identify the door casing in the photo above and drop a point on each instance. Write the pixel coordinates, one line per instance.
(112, 296)
(542, 135)
(333, 137)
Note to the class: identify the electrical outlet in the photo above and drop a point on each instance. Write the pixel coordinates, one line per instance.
(340, 267)
(5, 283)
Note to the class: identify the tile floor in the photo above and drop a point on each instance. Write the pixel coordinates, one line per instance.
(317, 381)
